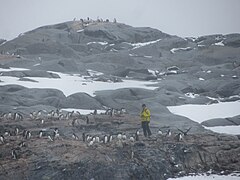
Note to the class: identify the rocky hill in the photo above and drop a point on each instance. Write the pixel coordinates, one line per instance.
(202, 70)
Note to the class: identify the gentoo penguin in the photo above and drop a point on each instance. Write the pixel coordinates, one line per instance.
(105, 139)
(88, 138)
(137, 135)
(179, 137)
(50, 138)
(132, 139)
(87, 120)
(137, 132)
(28, 135)
(97, 139)
(56, 134)
(160, 132)
(32, 116)
(16, 131)
(2, 139)
(75, 136)
(119, 136)
(40, 134)
(7, 133)
(124, 137)
(83, 137)
(22, 144)
(14, 154)
(9, 116)
(169, 133)
(93, 139)
(90, 143)
(17, 116)
(110, 138)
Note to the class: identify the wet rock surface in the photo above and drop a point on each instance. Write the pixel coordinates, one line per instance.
(66, 156)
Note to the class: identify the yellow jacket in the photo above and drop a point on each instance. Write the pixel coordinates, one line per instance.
(145, 115)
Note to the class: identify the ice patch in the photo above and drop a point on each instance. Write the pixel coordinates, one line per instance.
(235, 130)
(101, 43)
(138, 45)
(219, 43)
(36, 64)
(80, 30)
(200, 113)
(93, 73)
(70, 84)
(13, 69)
(207, 177)
(174, 50)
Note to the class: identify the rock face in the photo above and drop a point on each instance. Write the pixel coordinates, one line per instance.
(201, 70)
(68, 157)
(222, 122)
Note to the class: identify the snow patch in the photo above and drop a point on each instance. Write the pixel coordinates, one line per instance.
(212, 111)
(174, 50)
(101, 43)
(13, 69)
(36, 64)
(235, 130)
(138, 45)
(70, 84)
(219, 43)
(208, 177)
(80, 30)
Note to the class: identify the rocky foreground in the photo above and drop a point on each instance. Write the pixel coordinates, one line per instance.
(64, 154)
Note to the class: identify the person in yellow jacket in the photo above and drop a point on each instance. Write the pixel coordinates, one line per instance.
(145, 118)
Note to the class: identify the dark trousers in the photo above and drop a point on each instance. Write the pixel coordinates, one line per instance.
(146, 129)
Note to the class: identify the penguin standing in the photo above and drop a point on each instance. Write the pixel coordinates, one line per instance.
(50, 138)
(83, 137)
(179, 137)
(169, 133)
(137, 135)
(110, 138)
(131, 139)
(105, 139)
(119, 136)
(75, 136)
(28, 135)
(160, 132)
(2, 139)
(16, 131)
(22, 144)
(124, 137)
(97, 139)
(14, 154)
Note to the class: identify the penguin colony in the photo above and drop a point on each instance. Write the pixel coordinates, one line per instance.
(53, 134)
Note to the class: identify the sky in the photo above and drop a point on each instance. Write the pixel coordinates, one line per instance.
(183, 18)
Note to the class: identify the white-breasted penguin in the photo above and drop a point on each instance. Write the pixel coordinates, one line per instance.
(50, 138)
(14, 154)
(131, 139)
(160, 132)
(105, 139)
(169, 133)
(119, 136)
(179, 137)
(16, 131)
(75, 136)
(110, 138)
(124, 136)
(40, 133)
(22, 144)
(97, 139)
(2, 139)
(83, 137)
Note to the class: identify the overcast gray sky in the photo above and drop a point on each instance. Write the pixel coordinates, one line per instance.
(176, 17)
